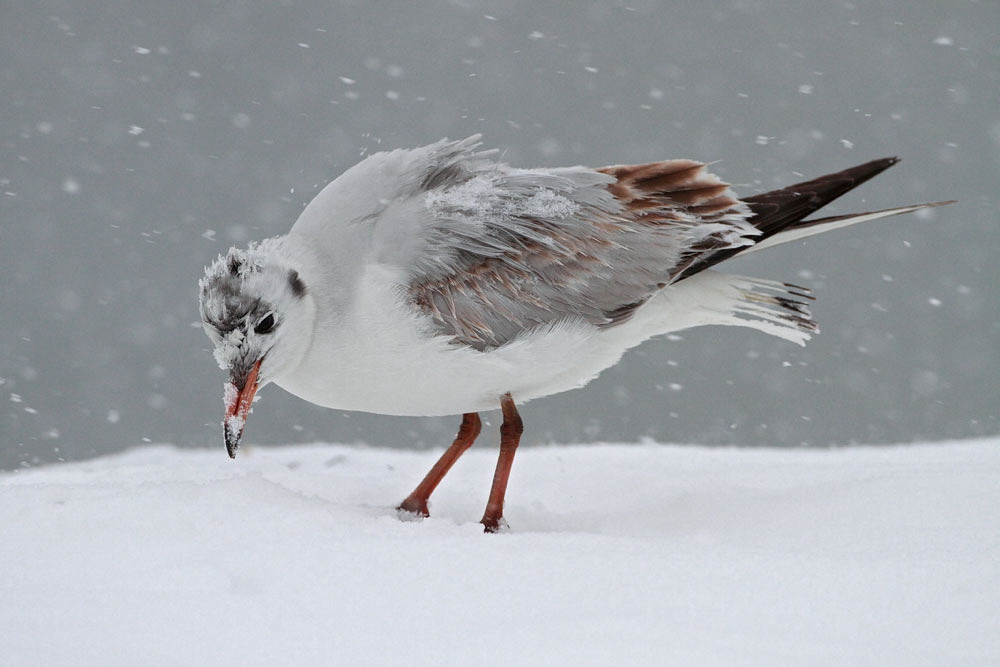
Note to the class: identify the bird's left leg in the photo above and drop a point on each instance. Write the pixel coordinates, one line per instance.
(510, 436)
(416, 502)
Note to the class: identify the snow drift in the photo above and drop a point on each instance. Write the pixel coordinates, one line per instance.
(640, 554)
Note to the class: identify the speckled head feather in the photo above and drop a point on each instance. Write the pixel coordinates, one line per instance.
(239, 291)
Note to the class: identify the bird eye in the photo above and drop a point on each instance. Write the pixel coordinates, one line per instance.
(265, 325)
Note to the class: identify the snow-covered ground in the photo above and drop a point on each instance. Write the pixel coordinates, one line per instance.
(617, 554)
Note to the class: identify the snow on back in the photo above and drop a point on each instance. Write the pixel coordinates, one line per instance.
(548, 205)
(481, 200)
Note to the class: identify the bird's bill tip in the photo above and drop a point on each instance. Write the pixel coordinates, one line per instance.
(238, 401)
(232, 434)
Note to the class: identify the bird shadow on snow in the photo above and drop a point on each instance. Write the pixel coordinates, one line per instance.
(708, 495)
(553, 489)
(622, 490)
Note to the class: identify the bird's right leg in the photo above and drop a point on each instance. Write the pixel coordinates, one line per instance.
(416, 502)
(510, 436)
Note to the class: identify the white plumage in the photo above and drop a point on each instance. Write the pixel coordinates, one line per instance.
(439, 281)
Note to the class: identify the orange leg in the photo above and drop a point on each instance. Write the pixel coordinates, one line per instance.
(416, 502)
(510, 435)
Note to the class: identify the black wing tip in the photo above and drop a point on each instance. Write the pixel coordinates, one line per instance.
(788, 207)
(862, 172)
(883, 163)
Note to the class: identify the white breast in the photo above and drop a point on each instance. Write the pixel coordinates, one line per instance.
(381, 358)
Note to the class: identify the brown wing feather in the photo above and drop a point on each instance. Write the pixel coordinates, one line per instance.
(788, 207)
(496, 265)
(625, 238)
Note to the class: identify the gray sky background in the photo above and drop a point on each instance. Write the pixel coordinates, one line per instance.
(140, 138)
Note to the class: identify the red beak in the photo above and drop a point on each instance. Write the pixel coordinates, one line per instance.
(238, 402)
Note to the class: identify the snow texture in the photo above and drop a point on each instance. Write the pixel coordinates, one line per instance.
(488, 204)
(230, 394)
(235, 423)
(618, 554)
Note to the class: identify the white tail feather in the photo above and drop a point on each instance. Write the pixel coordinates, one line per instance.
(796, 233)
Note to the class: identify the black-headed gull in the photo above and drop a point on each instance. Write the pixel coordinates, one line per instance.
(438, 281)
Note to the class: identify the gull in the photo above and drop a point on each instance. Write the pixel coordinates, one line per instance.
(440, 281)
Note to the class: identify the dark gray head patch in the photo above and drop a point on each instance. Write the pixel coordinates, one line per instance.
(295, 282)
(228, 300)
(225, 306)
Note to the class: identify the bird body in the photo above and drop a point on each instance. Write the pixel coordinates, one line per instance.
(379, 356)
(437, 280)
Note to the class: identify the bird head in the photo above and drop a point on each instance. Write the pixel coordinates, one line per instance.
(256, 309)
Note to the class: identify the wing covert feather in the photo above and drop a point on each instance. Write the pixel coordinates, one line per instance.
(508, 250)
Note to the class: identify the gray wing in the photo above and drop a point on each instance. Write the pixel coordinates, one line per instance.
(508, 250)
